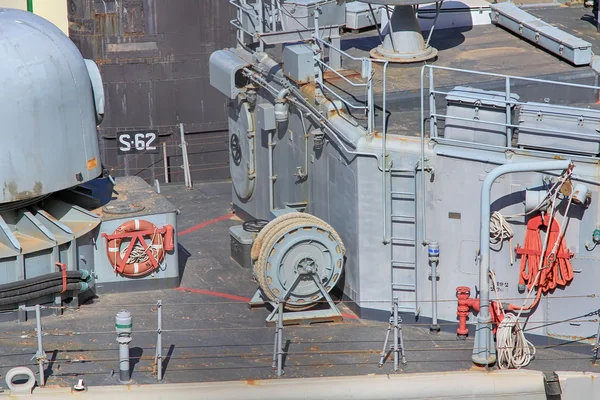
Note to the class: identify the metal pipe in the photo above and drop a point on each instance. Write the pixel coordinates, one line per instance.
(123, 326)
(280, 339)
(271, 177)
(422, 158)
(438, 8)
(40, 354)
(390, 28)
(483, 348)
(30, 6)
(165, 162)
(433, 252)
(186, 162)
(384, 155)
(260, 27)
(159, 341)
(508, 114)
(306, 137)
(396, 345)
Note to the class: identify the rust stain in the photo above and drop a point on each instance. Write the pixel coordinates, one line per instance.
(251, 382)
(14, 194)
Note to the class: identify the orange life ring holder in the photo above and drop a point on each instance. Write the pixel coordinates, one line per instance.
(136, 269)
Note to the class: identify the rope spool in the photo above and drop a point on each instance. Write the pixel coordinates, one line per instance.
(286, 245)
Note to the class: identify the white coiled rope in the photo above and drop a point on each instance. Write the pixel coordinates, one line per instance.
(500, 231)
(514, 350)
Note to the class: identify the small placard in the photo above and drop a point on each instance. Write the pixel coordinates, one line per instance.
(136, 142)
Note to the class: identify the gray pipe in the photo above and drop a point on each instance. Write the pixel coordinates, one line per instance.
(433, 253)
(124, 326)
(484, 352)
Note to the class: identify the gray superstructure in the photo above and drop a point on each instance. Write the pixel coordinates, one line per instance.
(308, 138)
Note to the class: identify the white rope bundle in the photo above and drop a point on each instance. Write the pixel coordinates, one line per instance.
(514, 350)
(138, 253)
(500, 230)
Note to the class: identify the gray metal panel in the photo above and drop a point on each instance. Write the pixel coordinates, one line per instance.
(565, 45)
(49, 138)
(299, 63)
(554, 120)
(480, 106)
(224, 66)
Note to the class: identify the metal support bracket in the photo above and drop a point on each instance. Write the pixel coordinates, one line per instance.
(278, 344)
(331, 314)
(398, 346)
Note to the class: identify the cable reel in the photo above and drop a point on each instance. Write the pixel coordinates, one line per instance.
(289, 250)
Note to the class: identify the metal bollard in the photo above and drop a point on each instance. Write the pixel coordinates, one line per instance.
(123, 325)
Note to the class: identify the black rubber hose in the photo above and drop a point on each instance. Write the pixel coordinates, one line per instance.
(39, 279)
(41, 293)
(36, 287)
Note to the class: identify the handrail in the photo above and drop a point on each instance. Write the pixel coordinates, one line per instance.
(510, 101)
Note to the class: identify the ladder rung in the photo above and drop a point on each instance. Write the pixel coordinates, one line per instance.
(402, 171)
(404, 264)
(403, 218)
(403, 195)
(408, 309)
(403, 286)
(403, 241)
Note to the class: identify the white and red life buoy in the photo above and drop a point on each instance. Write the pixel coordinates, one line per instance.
(137, 230)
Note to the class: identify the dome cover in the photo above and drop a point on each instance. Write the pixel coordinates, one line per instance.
(48, 111)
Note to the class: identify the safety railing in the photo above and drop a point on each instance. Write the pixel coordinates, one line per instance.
(429, 99)
(367, 73)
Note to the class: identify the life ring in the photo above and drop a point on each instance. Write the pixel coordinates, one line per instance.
(151, 263)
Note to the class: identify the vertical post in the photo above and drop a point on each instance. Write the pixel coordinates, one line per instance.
(396, 346)
(432, 107)
(260, 25)
(159, 341)
(30, 6)
(318, 47)
(272, 177)
(40, 356)
(273, 20)
(186, 162)
(509, 129)
(433, 252)
(124, 325)
(280, 339)
(335, 57)
(166, 162)
(368, 74)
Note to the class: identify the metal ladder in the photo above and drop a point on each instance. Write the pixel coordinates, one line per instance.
(403, 237)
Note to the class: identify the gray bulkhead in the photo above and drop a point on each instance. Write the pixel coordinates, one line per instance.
(346, 190)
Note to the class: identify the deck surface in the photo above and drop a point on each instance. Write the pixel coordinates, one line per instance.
(210, 333)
